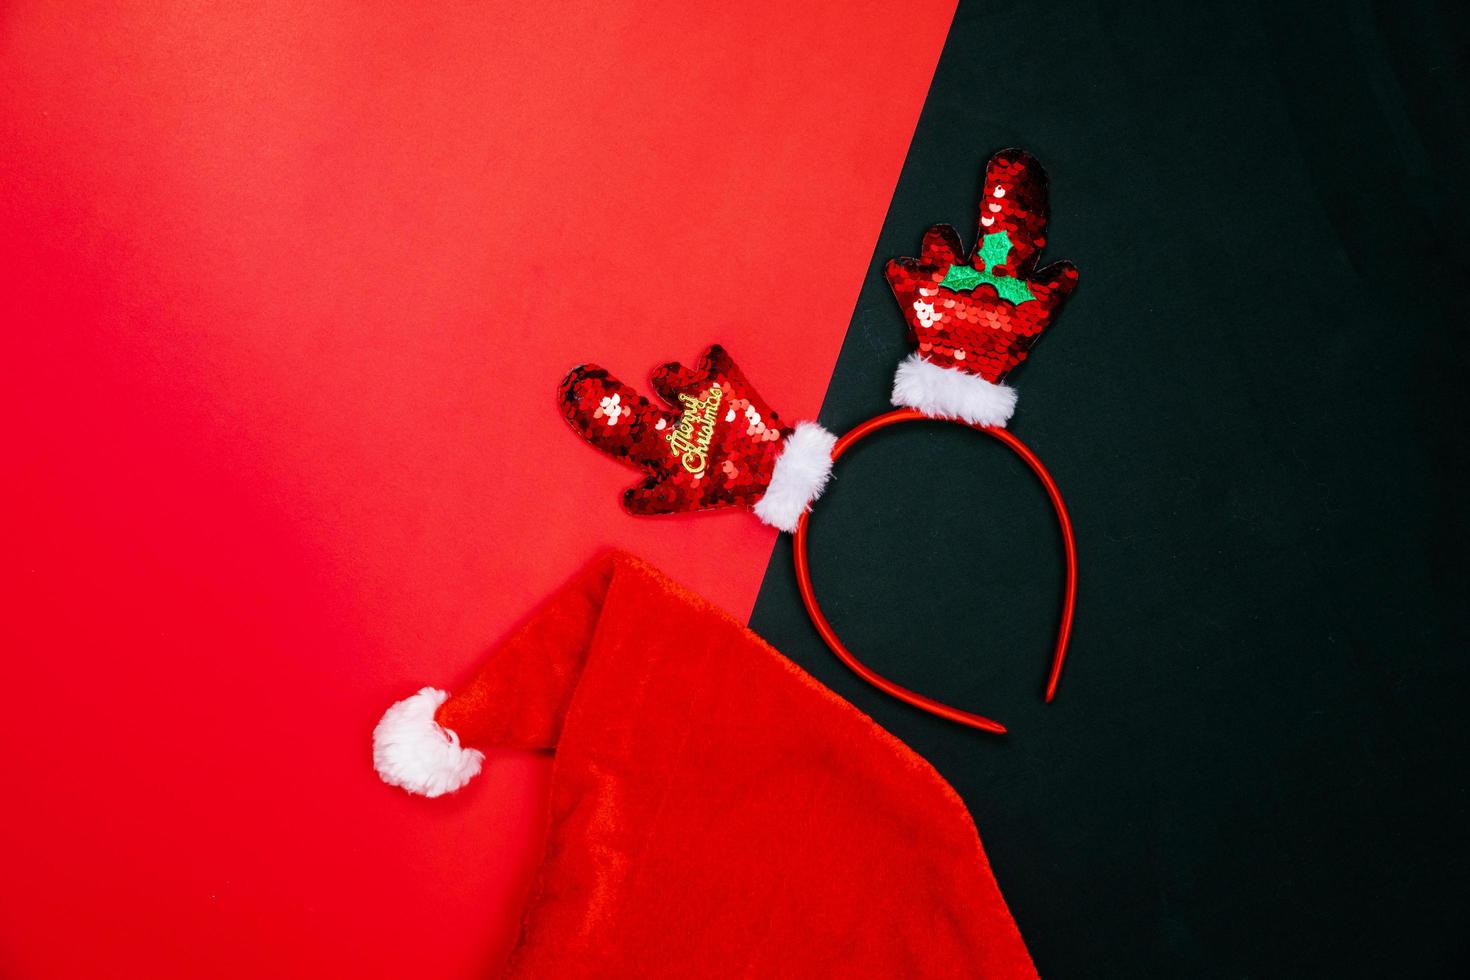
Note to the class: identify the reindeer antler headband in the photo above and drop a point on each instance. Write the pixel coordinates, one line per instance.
(971, 320)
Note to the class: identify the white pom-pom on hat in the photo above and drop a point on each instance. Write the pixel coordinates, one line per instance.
(413, 751)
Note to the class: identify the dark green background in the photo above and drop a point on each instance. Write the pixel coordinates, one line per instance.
(1254, 404)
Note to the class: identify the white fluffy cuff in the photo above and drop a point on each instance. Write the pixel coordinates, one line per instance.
(800, 476)
(948, 393)
(412, 750)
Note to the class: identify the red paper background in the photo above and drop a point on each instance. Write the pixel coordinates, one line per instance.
(287, 291)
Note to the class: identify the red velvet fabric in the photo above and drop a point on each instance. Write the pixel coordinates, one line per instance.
(717, 812)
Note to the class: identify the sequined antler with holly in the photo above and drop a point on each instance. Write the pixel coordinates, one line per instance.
(717, 444)
(973, 320)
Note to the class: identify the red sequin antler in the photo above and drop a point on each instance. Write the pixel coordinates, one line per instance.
(718, 443)
(972, 319)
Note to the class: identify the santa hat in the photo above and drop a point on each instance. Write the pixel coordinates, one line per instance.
(973, 319)
(718, 444)
(714, 810)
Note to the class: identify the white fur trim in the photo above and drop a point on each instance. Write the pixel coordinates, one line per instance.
(412, 750)
(949, 393)
(801, 474)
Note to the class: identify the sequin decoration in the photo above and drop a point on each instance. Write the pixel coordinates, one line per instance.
(714, 446)
(982, 314)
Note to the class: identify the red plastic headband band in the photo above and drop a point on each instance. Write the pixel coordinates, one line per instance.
(710, 440)
(829, 635)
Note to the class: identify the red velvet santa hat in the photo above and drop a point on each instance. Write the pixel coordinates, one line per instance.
(714, 810)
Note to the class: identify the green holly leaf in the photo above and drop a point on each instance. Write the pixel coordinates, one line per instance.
(1011, 289)
(993, 251)
(962, 277)
(994, 248)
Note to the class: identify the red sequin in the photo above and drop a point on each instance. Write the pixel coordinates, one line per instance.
(968, 323)
(716, 447)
